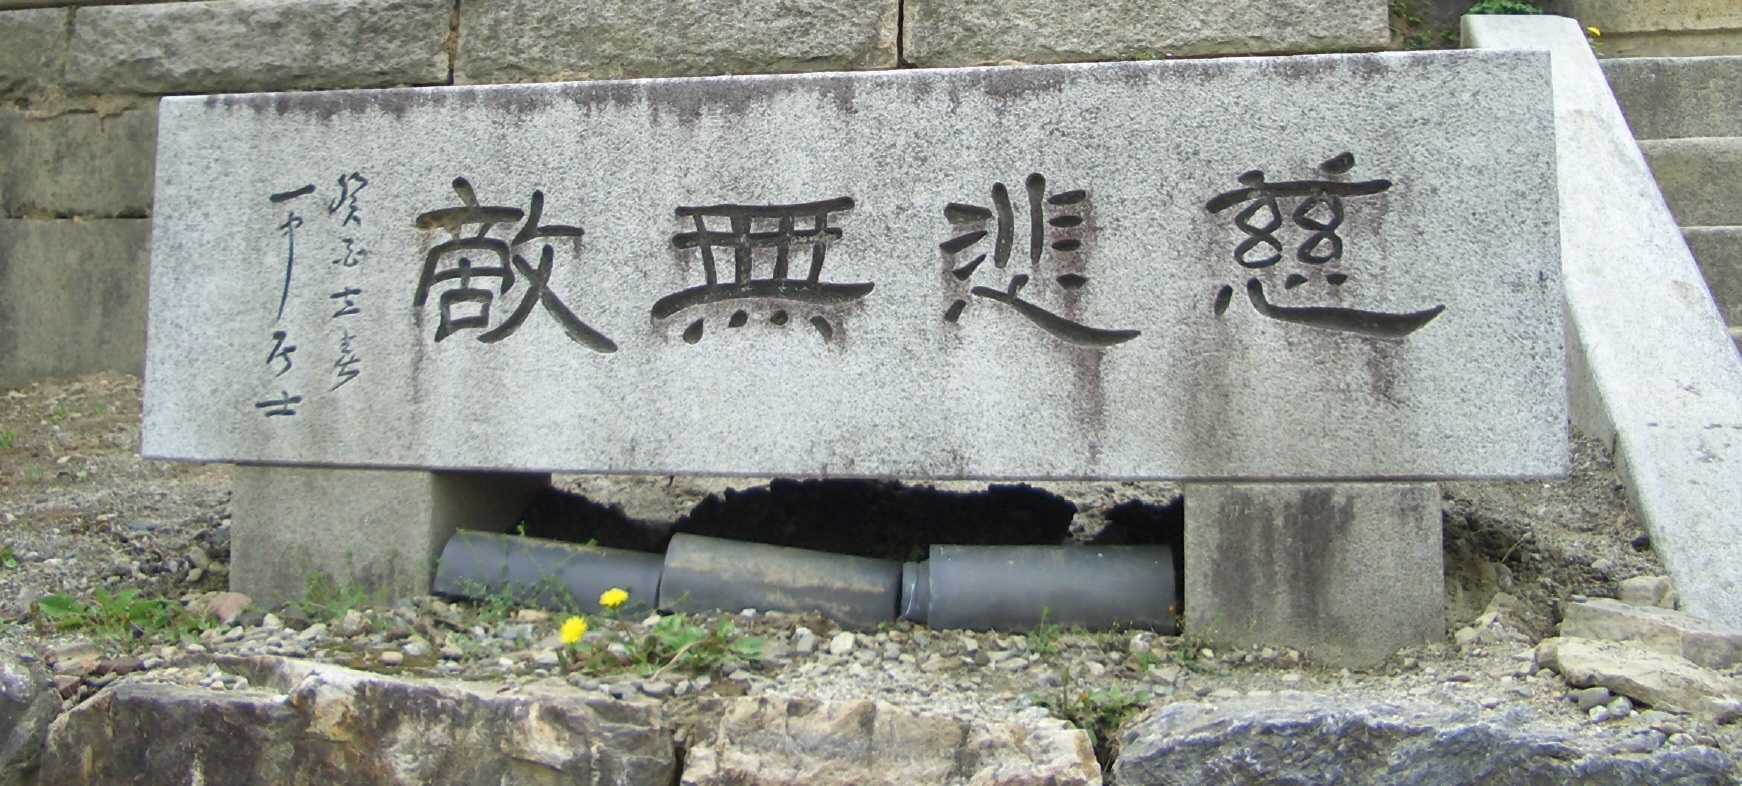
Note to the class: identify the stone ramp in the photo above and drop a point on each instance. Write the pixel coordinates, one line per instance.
(1651, 367)
(1687, 114)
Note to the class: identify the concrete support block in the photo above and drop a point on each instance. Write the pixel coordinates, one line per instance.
(377, 530)
(72, 297)
(1719, 252)
(546, 40)
(1347, 573)
(1677, 97)
(225, 46)
(1660, 28)
(968, 32)
(1701, 178)
(77, 164)
(32, 44)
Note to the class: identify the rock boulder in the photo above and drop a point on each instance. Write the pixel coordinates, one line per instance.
(1303, 739)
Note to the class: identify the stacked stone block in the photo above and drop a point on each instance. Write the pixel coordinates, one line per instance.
(1687, 114)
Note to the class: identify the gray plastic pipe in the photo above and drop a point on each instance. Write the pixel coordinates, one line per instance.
(1018, 587)
(705, 574)
(547, 573)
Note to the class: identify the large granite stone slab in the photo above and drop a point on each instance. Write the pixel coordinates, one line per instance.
(32, 43)
(72, 297)
(1305, 738)
(77, 164)
(968, 32)
(1678, 97)
(546, 40)
(238, 45)
(1009, 272)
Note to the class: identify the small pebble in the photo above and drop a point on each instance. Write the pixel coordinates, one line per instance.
(1589, 698)
(392, 658)
(842, 644)
(804, 642)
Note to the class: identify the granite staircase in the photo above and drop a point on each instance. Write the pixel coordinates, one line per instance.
(1686, 113)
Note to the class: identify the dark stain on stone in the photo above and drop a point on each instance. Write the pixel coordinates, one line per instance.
(1270, 548)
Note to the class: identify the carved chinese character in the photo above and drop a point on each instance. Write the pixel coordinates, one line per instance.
(345, 368)
(279, 407)
(479, 256)
(1055, 225)
(1319, 210)
(280, 352)
(803, 230)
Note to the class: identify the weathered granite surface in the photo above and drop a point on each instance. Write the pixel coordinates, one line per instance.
(1663, 630)
(1122, 336)
(28, 704)
(969, 32)
(545, 40)
(1348, 574)
(310, 723)
(77, 164)
(1678, 97)
(1301, 738)
(72, 297)
(29, 68)
(1652, 368)
(240, 45)
(776, 741)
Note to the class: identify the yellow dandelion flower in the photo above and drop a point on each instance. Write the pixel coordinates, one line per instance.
(573, 629)
(1595, 33)
(613, 597)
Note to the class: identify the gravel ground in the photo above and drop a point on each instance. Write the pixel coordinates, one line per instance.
(80, 511)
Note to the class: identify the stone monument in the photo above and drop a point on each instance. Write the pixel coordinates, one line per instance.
(1311, 269)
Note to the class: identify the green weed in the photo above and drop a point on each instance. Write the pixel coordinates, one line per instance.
(1505, 7)
(1098, 712)
(326, 600)
(8, 438)
(122, 616)
(674, 643)
(1044, 639)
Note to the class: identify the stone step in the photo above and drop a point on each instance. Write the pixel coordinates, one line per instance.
(1719, 252)
(1678, 97)
(1701, 178)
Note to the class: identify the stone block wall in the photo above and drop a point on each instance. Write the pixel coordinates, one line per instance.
(79, 81)
(1660, 28)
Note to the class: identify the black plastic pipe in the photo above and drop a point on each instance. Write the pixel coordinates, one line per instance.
(1018, 587)
(545, 573)
(706, 574)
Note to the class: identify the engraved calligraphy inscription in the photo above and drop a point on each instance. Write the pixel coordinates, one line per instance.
(789, 231)
(1318, 209)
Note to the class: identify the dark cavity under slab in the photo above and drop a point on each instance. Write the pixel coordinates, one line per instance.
(869, 518)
